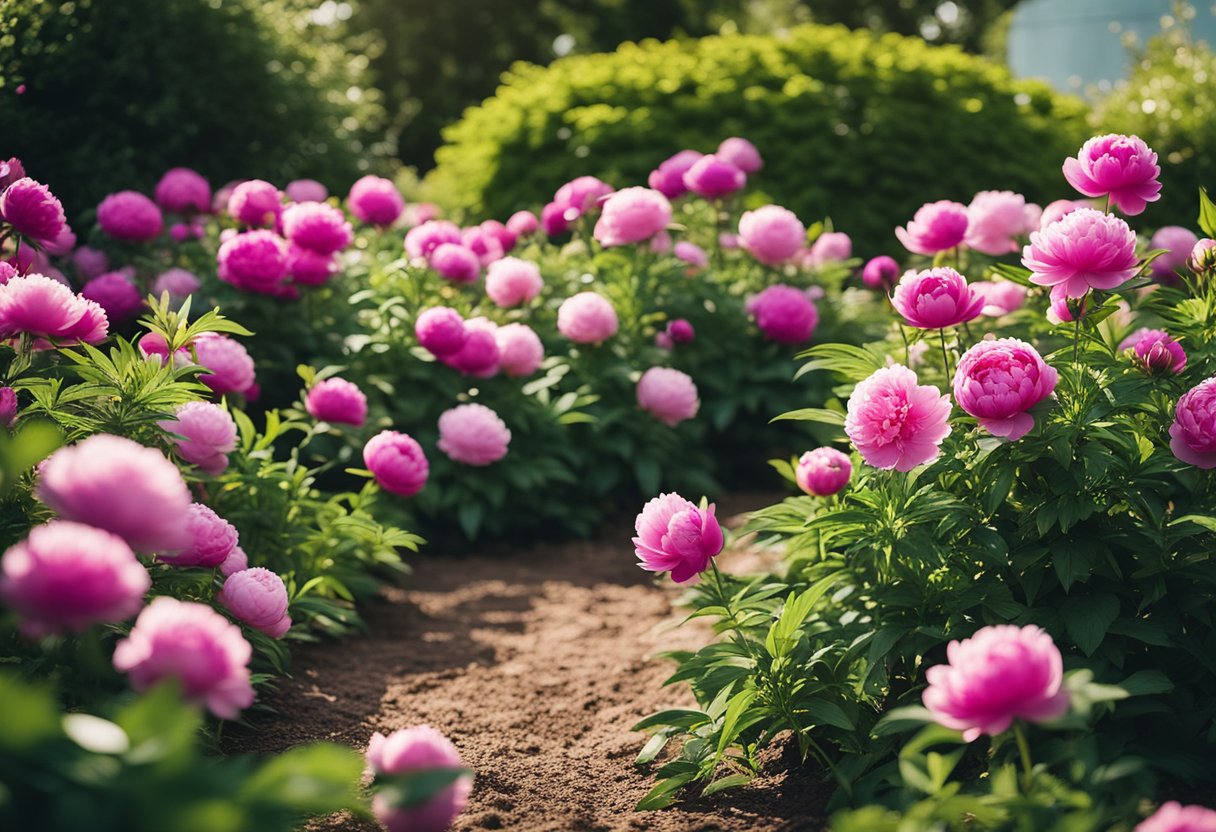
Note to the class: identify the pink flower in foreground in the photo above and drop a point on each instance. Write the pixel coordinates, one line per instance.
(254, 260)
(511, 281)
(66, 576)
(771, 234)
(473, 434)
(668, 395)
(257, 597)
(1155, 352)
(211, 539)
(1178, 242)
(206, 435)
(692, 254)
(712, 177)
(1174, 817)
(823, 471)
(114, 293)
(784, 314)
(397, 462)
(1000, 674)
(415, 750)
(1193, 434)
(376, 201)
(830, 247)
(523, 223)
(677, 536)
(994, 219)
(120, 486)
(1085, 250)
(1000, 296)
(520, 351)
(179, 283)
(306, 190)
(668, 177)
(440, 330)
(337, 401)
(194, 644)
(895, 423)
(31, 209)
(741, 153)
(880, 273)
(39, 306)
(456, 263)
(317, 227)
(587, 318)
(183, 191)
(228, 364)
(130, 216)
(1121, 167)
(255, 203)
(935, 299)
(999, 381)
(632, 215)
(936, 226)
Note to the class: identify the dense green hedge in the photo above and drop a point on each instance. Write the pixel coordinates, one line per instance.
(858, 127)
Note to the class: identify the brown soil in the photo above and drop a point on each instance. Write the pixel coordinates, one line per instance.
(536, 664)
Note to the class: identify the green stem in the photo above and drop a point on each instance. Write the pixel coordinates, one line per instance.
(1024, 751)
(945, 357)
(1076, 326)
(907, 347)
(730, 610)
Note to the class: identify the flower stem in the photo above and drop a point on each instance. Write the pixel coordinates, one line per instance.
(1024, 751)
(945, 357)
(1076, 326)
(730, 610)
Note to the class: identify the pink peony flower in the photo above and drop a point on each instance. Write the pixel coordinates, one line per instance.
(663, 341)
(579, 196)
(130, 216)
(668, 177)
(39, 306)
(376, 201)
(419, 212)
(255, 203)
(397, 462)
(230, 369)
(62, 244)
(473, 434)
(1122, 168)
(206, 435)
(235, 562)
(1058, 210)
(1178, 242)
(632, 215)
(668, 395)
(506, 237)
(90, 262)
(440, 331)
(713, 177)
(880, 273)
(520, 351)
(317, 227)
(67, 576)
(7, 272)
(1203, 257)
(936, 226)
(1085, 250)
(823, 471)
(523, 223)
(936, 299)
(183, 191)
(999, 381)
(120, 486)
(337, 401)
(10, 172)
(211, 539)
(741, 153)
(257, 597)
(479, 355)
(309, 268)
(994, 219)
(179, 283)
(830, 247)
(1193, 434)
(553, 220)
(115, 294)
(306, 190)
(1063, 309)
(895, 423)
(417, 749)
(194, 644)
(771, 234)
(674, 535)
(484, 244)
(1155, 352)
(784, 314)
(511, 281)
(254, 260)
(422, 240)
(1000, 296)
(681, 331)
(32, 210)
(1174, 817)
(456, 263)
(1000, 674)
(8, 407)
(692, 254)
(587, 318)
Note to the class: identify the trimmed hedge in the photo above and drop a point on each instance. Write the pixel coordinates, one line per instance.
(853, 126)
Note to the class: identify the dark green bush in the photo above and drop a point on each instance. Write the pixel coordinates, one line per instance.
(857, 127)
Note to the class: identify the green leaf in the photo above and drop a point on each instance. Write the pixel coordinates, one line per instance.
(1207, 214)
(680, 717)
(731, 781)
(652, 748)
(30, 715)
(414, 788)
(312, 779)
(902, 719)
(739, 704)
(664, 793)
(1088, 618)
(1147, 683)
(812, 414)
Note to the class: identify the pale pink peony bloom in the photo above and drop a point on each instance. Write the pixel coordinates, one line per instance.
(677, 536)
(255, 203)
(8, 407)
(211, 539)
(692, 254)
(681, 331)
(994, 220)
(415, 750)
(1193, 434)
(235, 562)
(10, 172)
(505, 236)
(229, 366)
(668, 395)
(120, 486)
(936, 226)
(999, 381)
(713, 177)
(473, 434)
(306, 190)
(40, 306)
(1058, 210)
(254, 260)
(830, 247)
(668, 177)
(771, 234)
(485, 244)
(422, 240)
(376, 201)
(62, 244)
(1203, 257)
(32, 210)
(523, 223)
(587, 318)
(580, 196)
(1032, 217)
(894, 422)
(397, 462)
(511, 281)
(66, 576)
(1123, 168)
(479, 356)
(1085, 250)
(520, 351)
(440, 331)
(456, 263)
(1000, 674)
(823, 471)
(632, 215)
(183, 191)
(1174, 817)
(130, 216)
(1155, 352)
(741, 153)
(1000, 296)
(194, 644)
(257, 597)
(337, 401)
(784, 314)
(179, 283)
(310, 268)
(935, 299)
(317, 227)
(205, 433)
(90, 262)
(880, 273)
(114, 293)
(1178, 242)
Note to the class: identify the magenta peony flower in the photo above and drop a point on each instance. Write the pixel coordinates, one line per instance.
(39, 306)
(90, 262)
(632, 215)
(230, 369)
(130, 216)
(479, 355)
(183, 191)
(880, 273)
(119, 486)
(1058, 210)
(206, 435)
(668, 177)
(681, 331)
(1178, 242)
(257, 597)
(1155, 352)
(115, 294)
(1193, 434)
(317, 227)
(8, 407)
(32, 210)
(485, 244)
(337, 401)
(397, 462)
(520, 351)
(1085, 250)
(784, 314)
(255, 203)
(523, 224)
(422, 240)
(579, 196)
(830, 247)
(1203, 257)
(994, 219)
(254, 260)
(7, 272)
(376, 201)
(306, 190)
(771, 234)
(63, 243)
(511, 281)
(553, 220)
(1122, 168)
(1000, 296)
(473, 434)
(456, 263)
(10, 172)
(191, 643)
(211, 539)
(506, 237)
(936, 226)
(741, 153)
(823, 471)
(674, 535)
(999, 381)
(936, 299)
(692, 254)
(67, 576)
(179, 283)
(309, 268)
(895, 423)
(713, 177)
(412, 750)
(587, 318)
(1000, 674)
(1174, 817)
(235, 562)
(440, 331)
(668, 395)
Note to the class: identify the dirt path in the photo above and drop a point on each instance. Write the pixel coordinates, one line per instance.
(536, 664)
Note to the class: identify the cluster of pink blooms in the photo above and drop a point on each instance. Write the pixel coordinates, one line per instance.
(414, 751)
(677, 536)
(478, 347)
